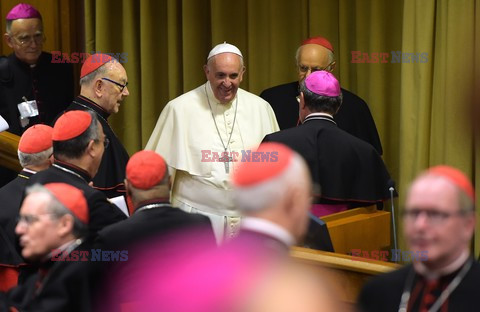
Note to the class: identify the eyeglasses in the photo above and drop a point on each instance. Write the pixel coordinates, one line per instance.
(305, 69)
(27, 40)
(30, 219)
(106, 142)
(122, 86)
(434, 217)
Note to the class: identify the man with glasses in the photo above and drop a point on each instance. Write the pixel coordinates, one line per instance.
(439, 222)
(32, 88)
(78, 146)
(52, 227)
(354, 116)
(28, 76)
(103, 83)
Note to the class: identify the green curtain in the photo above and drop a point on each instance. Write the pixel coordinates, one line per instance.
(421, 110)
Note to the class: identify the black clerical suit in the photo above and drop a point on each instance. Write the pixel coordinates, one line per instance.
(384, 292)
(59, 286)
(348, 170)
(11, 196)
(102, 212)
(50, 84)
(354, 115)
(111, 173)
(262, 242)
(152, 219)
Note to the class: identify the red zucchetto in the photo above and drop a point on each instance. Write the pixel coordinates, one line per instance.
(145, 169)
(253, 172)
(456, 177)
(93, 62)
(72, 198)
(36, 139)
(319, 41)
(70, 125)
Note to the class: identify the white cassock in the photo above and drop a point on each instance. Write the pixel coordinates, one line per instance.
(187, 137)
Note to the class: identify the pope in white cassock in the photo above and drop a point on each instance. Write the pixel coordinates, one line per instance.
(204, 132)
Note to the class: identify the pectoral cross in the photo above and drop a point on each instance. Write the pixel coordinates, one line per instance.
(226, 161)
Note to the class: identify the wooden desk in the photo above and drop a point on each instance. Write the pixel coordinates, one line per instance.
(346, 274)
(8, 151)
(361, 228)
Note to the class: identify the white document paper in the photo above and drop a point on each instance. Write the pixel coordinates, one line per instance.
(3, 124)
(120, 202)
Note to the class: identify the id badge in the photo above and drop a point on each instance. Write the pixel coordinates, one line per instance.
(28, 109)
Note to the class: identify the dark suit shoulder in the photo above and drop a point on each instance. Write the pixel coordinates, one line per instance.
(383, 292)
(148, 224)
(287, 88)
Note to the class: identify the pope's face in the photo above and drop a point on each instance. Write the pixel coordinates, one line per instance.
(26, 39)
(433, 224)
(224, 72)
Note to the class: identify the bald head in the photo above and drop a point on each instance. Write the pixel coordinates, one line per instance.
(313, 57)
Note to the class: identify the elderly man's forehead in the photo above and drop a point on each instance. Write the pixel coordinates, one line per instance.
(36, 203)
(24, 24)
(433, 186)
(314, 50)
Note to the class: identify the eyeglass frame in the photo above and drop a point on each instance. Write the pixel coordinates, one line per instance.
(24, 43)
(122, 86)
(304, 69)
(28, 220)
(434, 217)
(106, 142)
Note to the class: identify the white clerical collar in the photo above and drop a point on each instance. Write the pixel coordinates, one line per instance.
(68, 247)
(29, 171)
(268, 228)
(319, 114)
(421, 269)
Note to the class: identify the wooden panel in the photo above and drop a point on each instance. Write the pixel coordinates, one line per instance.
(8, 151)
(346, 274)
(360, 228)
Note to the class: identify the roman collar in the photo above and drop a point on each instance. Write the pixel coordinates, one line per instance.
(73, 170)
(153, 203)
(89, 104)
(319, 116)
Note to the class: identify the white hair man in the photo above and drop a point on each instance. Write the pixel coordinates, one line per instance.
(274, 195)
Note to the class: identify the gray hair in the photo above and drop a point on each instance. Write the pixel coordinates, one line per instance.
(101, 71)
(263, 195)
(465, 203)
(56, 208)
(35, 159)
(74, 148)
